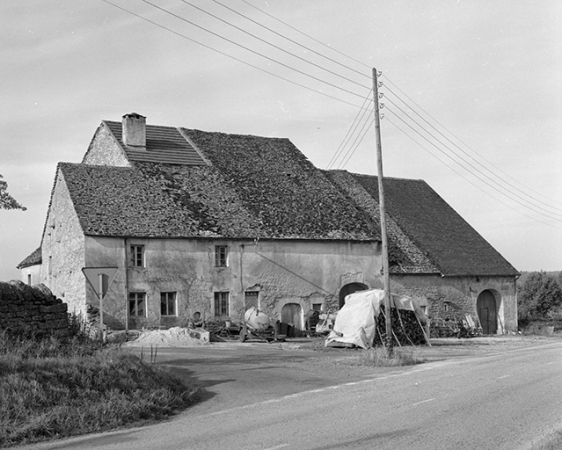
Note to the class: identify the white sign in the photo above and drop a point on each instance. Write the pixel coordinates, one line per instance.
(93, 275)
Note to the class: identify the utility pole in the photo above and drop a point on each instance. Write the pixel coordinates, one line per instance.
(385, 264)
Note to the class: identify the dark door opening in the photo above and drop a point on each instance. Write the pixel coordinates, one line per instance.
(486, 307)
(350, 289)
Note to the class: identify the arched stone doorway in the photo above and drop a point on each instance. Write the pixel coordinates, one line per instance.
(486, 307)
(350, 289)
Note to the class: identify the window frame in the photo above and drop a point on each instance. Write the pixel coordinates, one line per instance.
(222, 304)
(169, 297)
(221, 255)
(252, 295)
(135, 258)
(134, 297)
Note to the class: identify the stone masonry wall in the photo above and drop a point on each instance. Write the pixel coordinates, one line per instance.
(104, 150)
(32, 308)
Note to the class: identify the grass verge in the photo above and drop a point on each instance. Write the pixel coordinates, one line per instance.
(378, 357)
(53, 389)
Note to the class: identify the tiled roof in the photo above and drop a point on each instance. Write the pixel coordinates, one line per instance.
(254, 188)
(32, 260)
(404, 255)
(163, 145)
(437, 229)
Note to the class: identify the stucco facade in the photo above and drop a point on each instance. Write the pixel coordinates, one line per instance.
(304, 273)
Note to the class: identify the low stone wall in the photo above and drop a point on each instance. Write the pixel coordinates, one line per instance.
(32, 309)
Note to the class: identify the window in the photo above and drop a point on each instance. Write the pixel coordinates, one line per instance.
(221, 304)
(251, 299)
(221, 255)
(137, 304)
(29, 279)
(137, 255)
(317, 306)
(168, 304)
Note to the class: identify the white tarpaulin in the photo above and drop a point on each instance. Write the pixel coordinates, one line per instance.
(356, 320)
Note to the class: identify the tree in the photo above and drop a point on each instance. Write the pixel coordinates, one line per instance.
(539, 295)
(6, 200)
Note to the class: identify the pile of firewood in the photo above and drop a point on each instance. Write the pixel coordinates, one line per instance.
(406, 329)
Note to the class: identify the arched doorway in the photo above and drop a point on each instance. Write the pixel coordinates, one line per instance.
(291, 314)
(486, 308)
(350, 289)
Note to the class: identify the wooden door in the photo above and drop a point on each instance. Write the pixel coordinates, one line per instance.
(291, 314)
(486, 307)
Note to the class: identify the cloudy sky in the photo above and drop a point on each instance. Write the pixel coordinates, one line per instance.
(472, 96)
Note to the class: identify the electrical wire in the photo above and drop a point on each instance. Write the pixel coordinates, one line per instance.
(484, 180)
(229, 55)
(272, 45)
(467, 154)
(350, 130)
(250, 50)
(467, 180)
(291, 40)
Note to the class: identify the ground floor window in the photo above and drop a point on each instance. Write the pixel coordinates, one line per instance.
(221, 304)
(168, 304)
(137, 304)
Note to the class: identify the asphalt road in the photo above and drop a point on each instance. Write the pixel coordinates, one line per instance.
(498, 401)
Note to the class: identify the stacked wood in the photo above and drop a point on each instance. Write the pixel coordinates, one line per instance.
(406, 328)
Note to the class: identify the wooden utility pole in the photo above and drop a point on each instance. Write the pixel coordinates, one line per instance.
(385, 264)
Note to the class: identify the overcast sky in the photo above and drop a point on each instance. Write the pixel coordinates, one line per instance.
(487, 75)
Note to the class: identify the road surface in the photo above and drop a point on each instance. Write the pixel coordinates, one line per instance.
(497, 401)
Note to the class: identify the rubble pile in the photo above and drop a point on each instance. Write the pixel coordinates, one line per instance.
(174, 337)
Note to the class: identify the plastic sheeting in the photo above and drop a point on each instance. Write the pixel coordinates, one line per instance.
(356, 321)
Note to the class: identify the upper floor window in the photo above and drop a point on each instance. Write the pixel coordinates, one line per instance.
(221, 304)
(168, 306)
(221, 255)
(137, 304)
(137, 255)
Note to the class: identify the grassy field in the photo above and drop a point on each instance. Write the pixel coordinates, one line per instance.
(52, 389)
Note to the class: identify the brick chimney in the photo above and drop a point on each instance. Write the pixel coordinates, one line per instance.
(134, 131)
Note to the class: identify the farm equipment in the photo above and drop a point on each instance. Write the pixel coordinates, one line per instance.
(467, 328)
(257, 327)
(320, 323)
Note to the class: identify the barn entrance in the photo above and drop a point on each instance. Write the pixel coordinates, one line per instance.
(486, 308)
(292, 317)
(350, 289)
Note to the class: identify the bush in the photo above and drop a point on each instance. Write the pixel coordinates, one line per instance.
(539, 296)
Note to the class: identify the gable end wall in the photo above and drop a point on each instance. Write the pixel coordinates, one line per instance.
(105, 151)
(63, 250)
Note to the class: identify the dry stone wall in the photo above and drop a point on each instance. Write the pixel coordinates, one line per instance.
(32, 309)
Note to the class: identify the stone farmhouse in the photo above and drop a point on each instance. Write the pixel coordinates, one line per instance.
(204, 225)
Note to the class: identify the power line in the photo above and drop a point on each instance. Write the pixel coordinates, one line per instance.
(289, 39)
(474, 174)
(466, 153)
(228, 55)
(350, 130)
(466, 179)
(471, 165)
(307, 35)
(270, 44)
(250, 50)
(356, 146)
